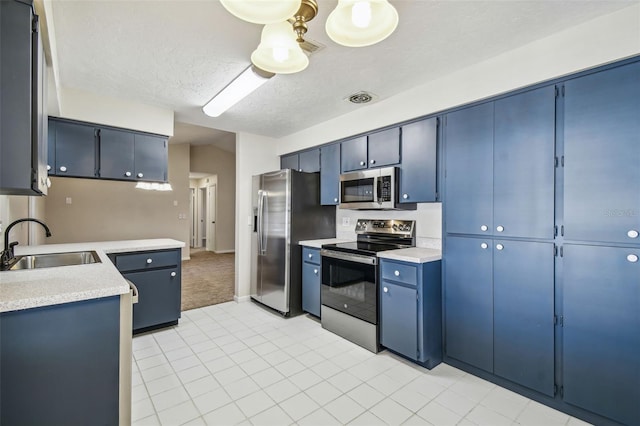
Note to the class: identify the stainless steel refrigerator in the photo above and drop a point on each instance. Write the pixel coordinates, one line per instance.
(286, 210)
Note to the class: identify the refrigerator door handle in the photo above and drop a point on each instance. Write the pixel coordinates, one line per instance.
(265, 207)
(260, 206)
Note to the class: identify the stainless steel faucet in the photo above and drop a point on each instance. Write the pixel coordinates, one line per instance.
(8, 258)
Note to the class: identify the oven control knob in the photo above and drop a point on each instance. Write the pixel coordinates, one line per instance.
(395, 227)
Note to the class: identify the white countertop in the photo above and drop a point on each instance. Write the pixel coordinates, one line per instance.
(412, 254)
(319, 243)
(31, 288)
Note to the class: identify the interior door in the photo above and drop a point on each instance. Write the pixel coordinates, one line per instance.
(211, 218)
(274, 258)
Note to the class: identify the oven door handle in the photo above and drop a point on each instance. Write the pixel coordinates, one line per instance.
(369, 260)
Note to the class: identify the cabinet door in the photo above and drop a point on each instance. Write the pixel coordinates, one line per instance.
(384, 148)
(469, 170)
(523, 303)
(469, 301)
(523, 162)
(311, 288)
(158, 297)
(116, 154)
(330, 174)
(150, 158)
(75, 150)
(289, 162)
(601, 156)
(418, 170)
(399, 318)
(354, 154)
(51, 148)
(601, 338)
(309, 161)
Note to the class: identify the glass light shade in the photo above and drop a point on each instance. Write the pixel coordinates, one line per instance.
(262, 11)
(357, 23)
(279, 52)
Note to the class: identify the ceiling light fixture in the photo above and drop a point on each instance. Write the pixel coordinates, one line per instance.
(353, 23)
(239, 88)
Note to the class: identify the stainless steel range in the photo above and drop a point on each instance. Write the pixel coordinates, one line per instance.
(349, 290)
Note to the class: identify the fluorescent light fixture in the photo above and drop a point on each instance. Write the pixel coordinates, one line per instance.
(154, 186)
(238, 89)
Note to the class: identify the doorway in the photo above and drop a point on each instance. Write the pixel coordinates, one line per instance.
(211, 218)
(203, 204)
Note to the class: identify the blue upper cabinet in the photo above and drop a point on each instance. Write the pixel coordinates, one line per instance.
(600, 343)
(75, 149)
(384, 148)
(290, 161)
(330, 174)
(469, 170)
(523, 164)
(116, 154)
(419, 154)
(602, 156)
(354, 154)
(150, 158)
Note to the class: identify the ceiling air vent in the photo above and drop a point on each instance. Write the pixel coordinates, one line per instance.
(361, 97)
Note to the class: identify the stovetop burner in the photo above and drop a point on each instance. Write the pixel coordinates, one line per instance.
(376, 235)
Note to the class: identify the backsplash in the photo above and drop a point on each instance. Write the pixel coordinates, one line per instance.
(428, 217)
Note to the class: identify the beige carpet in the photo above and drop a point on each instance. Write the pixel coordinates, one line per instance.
(207, 279)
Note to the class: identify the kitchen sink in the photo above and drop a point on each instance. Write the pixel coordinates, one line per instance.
(50, 260)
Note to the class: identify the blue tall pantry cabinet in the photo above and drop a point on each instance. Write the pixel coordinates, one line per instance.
(541, 247)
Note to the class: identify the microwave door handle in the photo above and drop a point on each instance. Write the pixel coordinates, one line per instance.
(378, 183)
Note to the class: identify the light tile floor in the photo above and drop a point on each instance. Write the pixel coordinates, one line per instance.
(236, 363)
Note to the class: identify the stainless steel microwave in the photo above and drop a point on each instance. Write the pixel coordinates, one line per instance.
(374, 189)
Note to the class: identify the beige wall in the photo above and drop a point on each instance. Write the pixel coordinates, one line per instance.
(214, 161)
(102, 210)
(14, 207)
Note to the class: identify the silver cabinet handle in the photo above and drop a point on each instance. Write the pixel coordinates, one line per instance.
(632, 258)
(335, 200)
(299, 170)
(149, 260)
(372, 162)
(632, 233)
(140, 175)
(173, 274)
(362, 163)
(484, 245)
(310, 256)
(127, 174)
(499, 246)
(315, 271)
(396, 273)
(63, 169)
(386, 290)
(48, 167)
(499, 228)
(405, 196)
(484, 227)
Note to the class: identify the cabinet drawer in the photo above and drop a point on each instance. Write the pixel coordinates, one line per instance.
(399, 272)
(146, 260)
(311, 255)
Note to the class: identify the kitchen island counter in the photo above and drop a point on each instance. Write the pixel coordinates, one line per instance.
(32, 288)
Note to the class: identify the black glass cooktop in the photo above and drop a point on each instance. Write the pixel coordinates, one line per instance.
(360, 247)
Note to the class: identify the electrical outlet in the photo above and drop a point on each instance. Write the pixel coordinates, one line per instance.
(68, 200)
(346, 221)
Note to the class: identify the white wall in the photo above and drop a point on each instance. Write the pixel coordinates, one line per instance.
(597, 42)
(85, 106)
(600, 41)
(254, 155)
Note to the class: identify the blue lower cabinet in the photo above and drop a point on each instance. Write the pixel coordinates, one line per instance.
(60, 364)
(311, 280)
(468, 301)
(411, 310)
(523, 309)
(601, 330)
(311, 288)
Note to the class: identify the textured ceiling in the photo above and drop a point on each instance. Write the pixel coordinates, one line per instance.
(179, 53)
